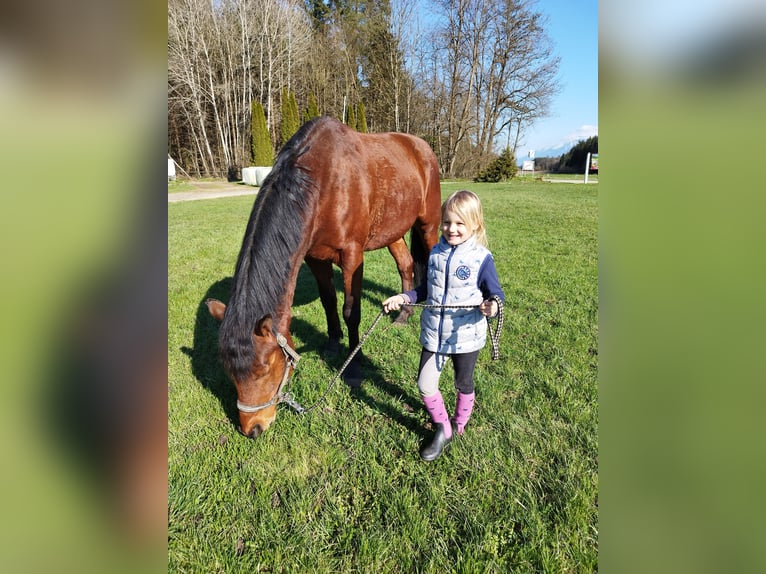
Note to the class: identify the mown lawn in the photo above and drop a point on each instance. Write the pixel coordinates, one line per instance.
(343, 489)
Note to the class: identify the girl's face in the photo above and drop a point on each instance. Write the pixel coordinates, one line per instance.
(454, 229)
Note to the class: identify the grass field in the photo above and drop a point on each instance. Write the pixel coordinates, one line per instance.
(343, 489)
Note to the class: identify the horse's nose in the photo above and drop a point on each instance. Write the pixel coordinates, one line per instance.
(254, 432)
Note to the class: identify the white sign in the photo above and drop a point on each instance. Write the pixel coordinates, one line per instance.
(528, 165)
(531, 154)
(171, 169)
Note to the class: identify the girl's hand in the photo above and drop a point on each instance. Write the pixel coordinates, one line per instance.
(489, 308)
(394, 303)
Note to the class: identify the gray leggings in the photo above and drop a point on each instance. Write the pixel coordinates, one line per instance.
(431, 365)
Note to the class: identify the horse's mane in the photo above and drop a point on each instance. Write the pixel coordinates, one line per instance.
(274, 233)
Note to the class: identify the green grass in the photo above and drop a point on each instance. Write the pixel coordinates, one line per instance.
(553, 177)
(343, 489)
(177, 185)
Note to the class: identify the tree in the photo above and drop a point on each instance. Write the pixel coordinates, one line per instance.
(383, 73)
(290, 118)
(312, 111)
(502, 168)
(351, 120)
(522, 76)
(497, 70)
(573, 161)
(262, 152)
(319, 11)
(361, 118)
(547, 164)
(222, 56)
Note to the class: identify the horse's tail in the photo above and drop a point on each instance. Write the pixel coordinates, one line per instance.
(419, 251)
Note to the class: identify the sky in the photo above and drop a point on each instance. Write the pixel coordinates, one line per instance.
(573, 30)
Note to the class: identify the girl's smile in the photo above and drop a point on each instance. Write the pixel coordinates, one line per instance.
(454, 230)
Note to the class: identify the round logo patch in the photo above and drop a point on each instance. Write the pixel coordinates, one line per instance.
(463, 272)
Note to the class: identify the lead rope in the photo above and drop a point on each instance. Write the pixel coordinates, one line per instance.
(288, 396)
(494, 338)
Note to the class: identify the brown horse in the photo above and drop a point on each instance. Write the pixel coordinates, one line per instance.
(332, 194)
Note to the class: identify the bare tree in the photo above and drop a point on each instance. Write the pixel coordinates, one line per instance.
(221, 57)
(498, 72)
(186, 20)
(521, 78)
(407, 34)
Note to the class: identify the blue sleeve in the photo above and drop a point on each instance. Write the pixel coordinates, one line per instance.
(419, 294)
(488, 281)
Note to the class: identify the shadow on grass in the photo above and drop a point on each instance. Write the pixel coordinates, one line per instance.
(372, 376)
(207, 368)
(205, 357)
(399, 394)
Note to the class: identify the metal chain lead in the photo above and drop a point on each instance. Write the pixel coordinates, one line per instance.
(493, 337)
(288, 397)
(494, 340)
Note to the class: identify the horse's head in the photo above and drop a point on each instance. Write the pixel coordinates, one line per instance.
(257, 390)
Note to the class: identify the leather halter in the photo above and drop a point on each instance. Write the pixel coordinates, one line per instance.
(291, 361)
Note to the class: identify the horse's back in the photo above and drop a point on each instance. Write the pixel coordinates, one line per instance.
(364, 157)
(371, 187)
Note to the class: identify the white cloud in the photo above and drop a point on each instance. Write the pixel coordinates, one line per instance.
(581, 133)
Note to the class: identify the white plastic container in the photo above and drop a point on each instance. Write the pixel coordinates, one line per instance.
(249, 175)
(260, 174)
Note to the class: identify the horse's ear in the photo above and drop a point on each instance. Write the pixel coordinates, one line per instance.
(264, 326)
(216, 308)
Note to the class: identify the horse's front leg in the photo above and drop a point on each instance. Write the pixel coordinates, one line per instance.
(322, 271)
(352, 265)
(404, 264)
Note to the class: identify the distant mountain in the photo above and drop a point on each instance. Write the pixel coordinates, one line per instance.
(549, 152)
(555, 152)
(572, 139)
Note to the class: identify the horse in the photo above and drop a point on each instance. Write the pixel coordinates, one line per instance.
(332, 194)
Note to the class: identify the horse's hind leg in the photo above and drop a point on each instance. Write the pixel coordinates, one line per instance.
(404, 264)
(322, 271)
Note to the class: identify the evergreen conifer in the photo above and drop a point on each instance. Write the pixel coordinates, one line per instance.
(262, 152)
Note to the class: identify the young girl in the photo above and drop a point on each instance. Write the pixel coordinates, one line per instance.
(461, 276)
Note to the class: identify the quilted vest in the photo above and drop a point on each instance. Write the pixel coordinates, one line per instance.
(452, 280)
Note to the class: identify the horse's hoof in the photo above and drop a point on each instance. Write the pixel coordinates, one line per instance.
(332, 348)
(352, 382)
(353, 375)
(402, 319)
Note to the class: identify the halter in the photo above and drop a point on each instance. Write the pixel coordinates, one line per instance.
(291, 361)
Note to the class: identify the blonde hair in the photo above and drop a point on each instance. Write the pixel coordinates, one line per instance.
(467, 206)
